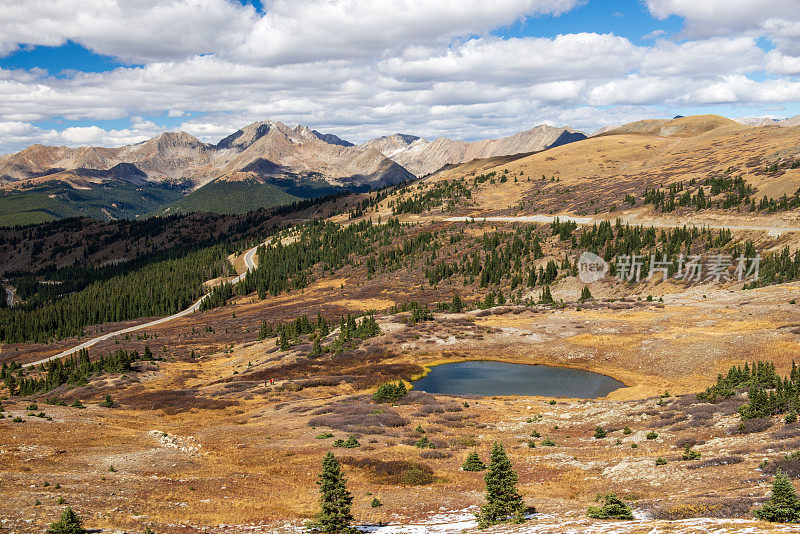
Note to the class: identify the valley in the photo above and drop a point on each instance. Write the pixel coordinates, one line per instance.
(188, 416)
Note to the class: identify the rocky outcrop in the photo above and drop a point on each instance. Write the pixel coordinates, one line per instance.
(266, 149)
(422, 157)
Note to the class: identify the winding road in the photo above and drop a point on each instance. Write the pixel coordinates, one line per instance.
(249, 264)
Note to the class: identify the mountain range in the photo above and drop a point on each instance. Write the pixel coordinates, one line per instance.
(263, 164)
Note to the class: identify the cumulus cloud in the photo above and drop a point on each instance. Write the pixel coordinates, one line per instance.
(312, 30)
(778, 20)
(362, 68)
(132, 30)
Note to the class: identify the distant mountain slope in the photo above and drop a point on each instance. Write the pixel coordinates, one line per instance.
(681, 127)
(231, 197)
(612, 173)
(791, 121)
(423, 157)
(758, 121)
(108, 200)
(307, 163)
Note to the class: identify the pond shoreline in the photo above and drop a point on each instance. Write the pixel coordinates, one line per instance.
(545, 367)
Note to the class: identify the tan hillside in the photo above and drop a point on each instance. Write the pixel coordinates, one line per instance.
(682, 127)
(596, 174)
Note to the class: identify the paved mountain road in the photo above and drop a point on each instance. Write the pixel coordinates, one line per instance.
(249, 263)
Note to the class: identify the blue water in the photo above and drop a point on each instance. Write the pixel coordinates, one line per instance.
(499, 378)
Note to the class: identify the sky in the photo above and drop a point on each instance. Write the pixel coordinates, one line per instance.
(114, 72)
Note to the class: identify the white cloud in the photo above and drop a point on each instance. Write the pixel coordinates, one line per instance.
(707, 57)
(779, 63)
(363, 68)
(313, 30)
(778, 20)
(133, 30)
(521, 60)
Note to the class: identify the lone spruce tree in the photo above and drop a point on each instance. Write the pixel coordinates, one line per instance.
(473, 463)
(503, 501)
(783, 506)
(335, 516)
(69, 523)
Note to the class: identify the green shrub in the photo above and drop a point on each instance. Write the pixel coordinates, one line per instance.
(376, 503)
(547, 442)
(390, 392)
(612, 508)
(351, 443)
(599, 433)
(424, 443)
(690, 454)
(661, 461)
(652, 435)
(473, 463)
(627, 430)
(324, 435)
(77, 404)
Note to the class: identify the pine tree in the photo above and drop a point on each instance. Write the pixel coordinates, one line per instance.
(503, 501)
(585, 293)
(546, 297)
(456, 306)
(783, 506)
(69, 523)
(473, 463)
(316, 349)
(335, 516)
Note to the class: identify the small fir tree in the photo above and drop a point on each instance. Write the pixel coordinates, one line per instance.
(473, 463)
(69, 523)
(456, 306)
(503, 501)
(334, 516)
(546, 297)
(316, 349)
(783, 506)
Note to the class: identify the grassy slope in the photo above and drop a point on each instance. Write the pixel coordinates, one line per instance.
(231, 198)
(235, 197)
(57, 200)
